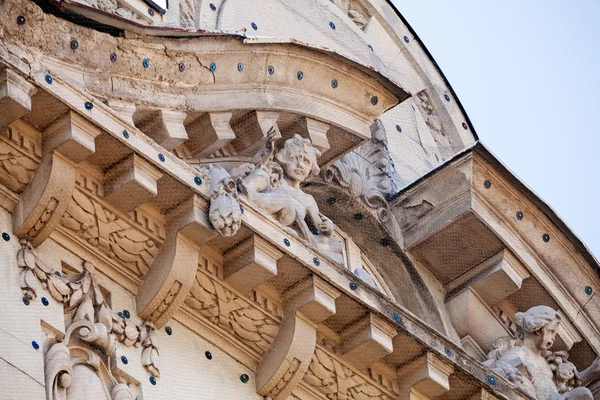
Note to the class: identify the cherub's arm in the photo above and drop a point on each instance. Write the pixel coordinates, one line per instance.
(265, 154)
(318, 220)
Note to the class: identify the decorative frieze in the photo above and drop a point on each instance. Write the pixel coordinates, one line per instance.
(231, 312)
(336, 380)
(95, 224)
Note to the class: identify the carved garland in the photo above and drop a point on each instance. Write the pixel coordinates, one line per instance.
(230, 312)
(337, 381)
(83, 298)
(102, 228)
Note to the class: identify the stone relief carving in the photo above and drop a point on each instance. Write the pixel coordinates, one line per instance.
(337, 381)
(232, 313)
(187, 12)
(359, 17)
(102, 228)
(16, 169)
(225, 212)
(428, 111)
(273, 184)
(528, 362)
(91, 320)
(368, 173)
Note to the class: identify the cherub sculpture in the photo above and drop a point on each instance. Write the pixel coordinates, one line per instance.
(273, 184)
(528, 363)
(566, 376)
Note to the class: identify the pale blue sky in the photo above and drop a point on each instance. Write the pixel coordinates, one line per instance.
(527, 74)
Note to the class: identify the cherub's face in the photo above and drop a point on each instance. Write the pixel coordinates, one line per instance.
(298, 166)
(566, 371)
(547, 335)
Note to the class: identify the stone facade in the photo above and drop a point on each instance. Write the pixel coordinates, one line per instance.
(267, 200)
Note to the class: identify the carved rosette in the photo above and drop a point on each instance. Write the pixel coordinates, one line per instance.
(88, 309)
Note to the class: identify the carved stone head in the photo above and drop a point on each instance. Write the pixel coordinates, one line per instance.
(539, 324)
(298, 158)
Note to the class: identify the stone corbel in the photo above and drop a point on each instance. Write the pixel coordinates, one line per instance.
(285, 363)
(130, 182)
(317, 132)
(255, 127)
(166, 128)
(15, 96)
(367, 342)
(209, 133)
(170, 278)
(67, 142)
(123, 109)
(250, 264)
(425, 378)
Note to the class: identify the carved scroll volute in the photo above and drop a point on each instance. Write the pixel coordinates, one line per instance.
(65, 143)
(170, 278)
(44, 201)
(283, 366)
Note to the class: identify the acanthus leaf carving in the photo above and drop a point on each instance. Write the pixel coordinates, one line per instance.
(232, 313)
(16, 169)
(368, 174)
(337, 381)
(84, 301)
(102, 228)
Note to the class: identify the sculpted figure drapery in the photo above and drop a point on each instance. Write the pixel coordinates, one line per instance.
(529, 363)
(273, 184)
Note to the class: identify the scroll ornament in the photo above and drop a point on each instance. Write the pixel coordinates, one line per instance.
(91, 317)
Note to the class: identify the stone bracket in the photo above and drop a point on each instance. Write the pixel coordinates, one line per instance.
(285, 363)
(166, 128)
(317, 132)
(44, 201)
(250, 264)
(15, 96)
(255, 125)
(209, 133)
(65, 143)
(367, 342)
(426, 377)
(170, 278)
(130, 183)
(72, 135)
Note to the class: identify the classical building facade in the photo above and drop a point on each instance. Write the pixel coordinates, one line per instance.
(267, 199)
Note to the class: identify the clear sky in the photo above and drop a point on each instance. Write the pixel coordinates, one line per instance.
(528, 75)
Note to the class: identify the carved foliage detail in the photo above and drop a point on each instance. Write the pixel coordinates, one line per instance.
(285, 379)
(368, 173)
(354, 11)
(232, 313)
(87, 306)
(102, 228)
(16, 168)
(338, 381)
